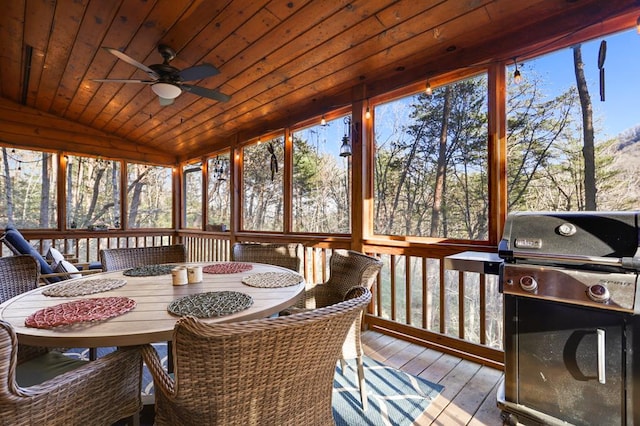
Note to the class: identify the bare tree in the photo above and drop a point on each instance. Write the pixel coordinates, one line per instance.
(587, 130)
(441, 167)
(136, 186)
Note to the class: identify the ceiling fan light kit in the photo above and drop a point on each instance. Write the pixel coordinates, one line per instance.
(166, 80)
(166, 90)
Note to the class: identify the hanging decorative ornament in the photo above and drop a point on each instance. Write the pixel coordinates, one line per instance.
(219, 169)
(274, 160)
(602, 54)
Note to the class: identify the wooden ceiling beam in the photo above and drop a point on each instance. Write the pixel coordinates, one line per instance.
(29, 127)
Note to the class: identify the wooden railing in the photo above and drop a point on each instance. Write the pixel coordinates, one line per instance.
(456, 312)
(86, 245)
(415, 298)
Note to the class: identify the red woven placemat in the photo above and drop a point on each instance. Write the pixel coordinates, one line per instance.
(227, 268)
(83, 310)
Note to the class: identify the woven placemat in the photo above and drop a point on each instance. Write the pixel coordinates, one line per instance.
(227, 268)
(80, 311)
(149, 270)
(272, 279)
(83, 287)
(210, 304)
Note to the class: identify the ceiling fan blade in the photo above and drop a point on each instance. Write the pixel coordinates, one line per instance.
(198, 72)
(128, 59)
(107, 80)
(165, 101)
(206, 93)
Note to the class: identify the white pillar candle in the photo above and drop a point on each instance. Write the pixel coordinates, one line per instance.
(195, 274)
(179, 275)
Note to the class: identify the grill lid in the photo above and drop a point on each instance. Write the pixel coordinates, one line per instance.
(592, 240)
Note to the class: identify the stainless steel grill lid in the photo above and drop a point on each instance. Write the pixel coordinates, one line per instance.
(592, 240)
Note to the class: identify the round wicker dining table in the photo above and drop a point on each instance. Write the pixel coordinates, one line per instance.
(150, 319)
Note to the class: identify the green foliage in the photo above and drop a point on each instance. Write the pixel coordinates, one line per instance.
(427, 146)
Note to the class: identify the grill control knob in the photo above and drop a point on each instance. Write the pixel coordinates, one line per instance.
(528, 283)
(599, 293)
(567, 229)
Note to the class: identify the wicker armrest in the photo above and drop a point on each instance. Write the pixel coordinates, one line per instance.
(99, 392)
(152, 360)
(64, 275)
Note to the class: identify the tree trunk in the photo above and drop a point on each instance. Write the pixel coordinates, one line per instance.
(136, 186)
(441, 170)
(44, 192)
(8, 188)
(403, 175)
(587, 130)
(94, 198)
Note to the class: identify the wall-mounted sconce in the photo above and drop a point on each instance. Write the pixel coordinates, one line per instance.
(345, 148)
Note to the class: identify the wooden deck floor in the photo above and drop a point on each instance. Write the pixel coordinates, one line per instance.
(469, 395)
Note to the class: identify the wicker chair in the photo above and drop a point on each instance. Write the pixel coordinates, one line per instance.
(124, 258)
(98, 392)
(18, 274)
(273, 371)
(290, 256)
(348, 269)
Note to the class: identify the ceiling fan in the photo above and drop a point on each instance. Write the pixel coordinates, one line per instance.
(166, 80)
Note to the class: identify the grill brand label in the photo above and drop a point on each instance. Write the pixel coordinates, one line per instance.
(611, 283)
(528, 243)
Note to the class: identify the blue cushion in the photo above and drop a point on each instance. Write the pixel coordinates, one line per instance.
(15, 238)
(45, 367)
(95, 265)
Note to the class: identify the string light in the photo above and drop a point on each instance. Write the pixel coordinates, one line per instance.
(428, 90)
(517, 77)
(367, 114)
(323, 122)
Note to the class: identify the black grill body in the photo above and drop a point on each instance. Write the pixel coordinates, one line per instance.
(571, 308)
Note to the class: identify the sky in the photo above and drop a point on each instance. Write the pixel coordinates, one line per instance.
(619, 111)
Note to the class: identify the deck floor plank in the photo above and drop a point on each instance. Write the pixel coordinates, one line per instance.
(469, 395)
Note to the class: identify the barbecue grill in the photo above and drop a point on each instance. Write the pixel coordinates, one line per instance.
(571, 313)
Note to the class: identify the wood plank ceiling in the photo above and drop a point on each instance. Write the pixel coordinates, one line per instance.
(281, 61)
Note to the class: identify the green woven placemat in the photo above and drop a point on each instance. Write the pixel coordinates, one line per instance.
(149, 270)
(82, 287)
(210, 304)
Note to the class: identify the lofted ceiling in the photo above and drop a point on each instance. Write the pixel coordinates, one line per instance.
(280, 61)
